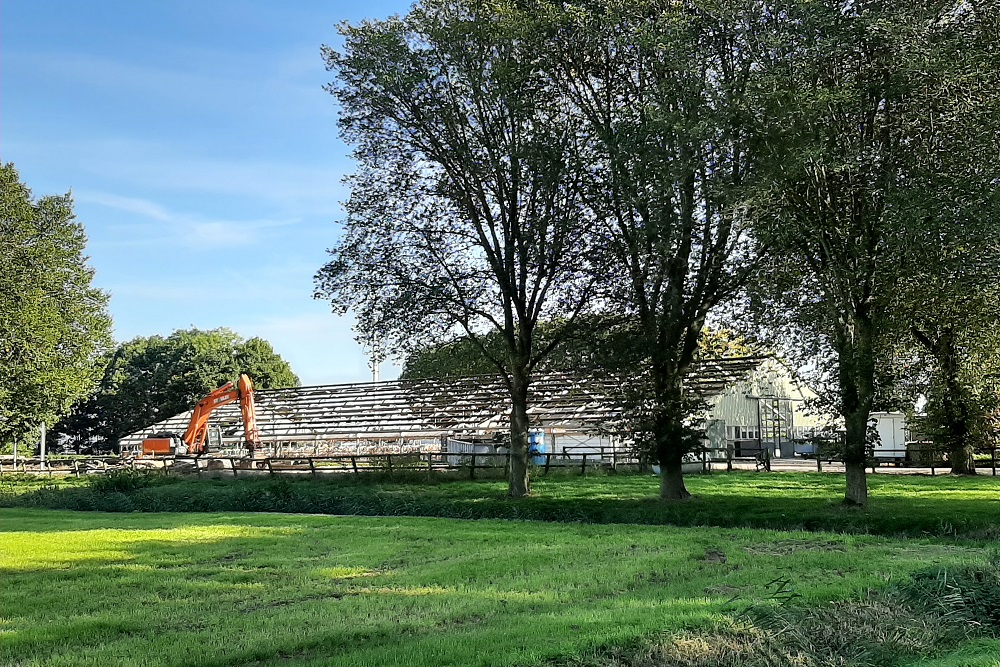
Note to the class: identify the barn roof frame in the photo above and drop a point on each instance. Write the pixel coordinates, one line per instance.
(428, 408)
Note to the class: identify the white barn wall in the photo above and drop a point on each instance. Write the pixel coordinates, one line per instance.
(735, 408)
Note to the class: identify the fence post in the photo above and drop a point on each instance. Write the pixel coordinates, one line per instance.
(548, 461)
(197, 467)
(583, 465)
(164, 466)
(270, 468)
(312, 467)
(993, 459)
(472, 467)
(232, 462)
(729, 457)
(388, 461)
(354, 463)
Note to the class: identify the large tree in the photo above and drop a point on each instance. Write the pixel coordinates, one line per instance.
(597, 346)
(662, 87)
(950, 305)
(866, 97)
(148, 379)
(53, 322)
(465, 214)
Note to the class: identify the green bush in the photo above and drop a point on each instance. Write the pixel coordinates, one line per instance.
(126, 481)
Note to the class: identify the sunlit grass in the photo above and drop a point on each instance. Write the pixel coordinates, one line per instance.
(215, 589)
(985, 653)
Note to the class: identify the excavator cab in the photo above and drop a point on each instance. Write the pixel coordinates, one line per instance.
(164, 444)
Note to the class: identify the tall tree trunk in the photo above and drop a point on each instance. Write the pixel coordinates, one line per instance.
(519, 482)
(854, 457)
(857, 394)
(962, 458)
(956, 400)
(668, 432)
(672, 478)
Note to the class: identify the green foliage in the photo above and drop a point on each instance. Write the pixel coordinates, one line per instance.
(661, 88)
(881, 117)
(466, 212)
(149, 379)
(53, 322)
(126, 481)
(970, 594)
(594, 345)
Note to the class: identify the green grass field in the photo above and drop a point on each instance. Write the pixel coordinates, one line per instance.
(900, 505)
(219, 589)
(238, 589)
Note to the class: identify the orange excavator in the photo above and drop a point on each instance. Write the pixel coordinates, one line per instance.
(192, 442)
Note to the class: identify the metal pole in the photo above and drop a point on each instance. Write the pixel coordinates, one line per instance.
(42, 445)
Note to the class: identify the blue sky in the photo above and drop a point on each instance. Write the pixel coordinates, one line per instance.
(202, 154)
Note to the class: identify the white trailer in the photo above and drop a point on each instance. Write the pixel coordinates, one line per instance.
(891, 442)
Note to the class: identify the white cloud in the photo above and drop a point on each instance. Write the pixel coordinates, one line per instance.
(135, 205)
(174, 227)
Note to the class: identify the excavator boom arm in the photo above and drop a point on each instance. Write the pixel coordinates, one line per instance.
(197, 428)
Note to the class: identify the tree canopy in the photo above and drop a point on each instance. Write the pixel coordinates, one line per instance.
(880, 121)
(525, 164)
(54, 323)
(596, 346)
(466, 214)
(148, 379)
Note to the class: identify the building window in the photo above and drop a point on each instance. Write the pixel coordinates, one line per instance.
(743, 432)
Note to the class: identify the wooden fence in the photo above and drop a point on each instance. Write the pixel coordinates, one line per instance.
(465, 463)
(571, 459)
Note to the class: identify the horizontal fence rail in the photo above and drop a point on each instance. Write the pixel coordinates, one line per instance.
(429, 462)
(923, 457)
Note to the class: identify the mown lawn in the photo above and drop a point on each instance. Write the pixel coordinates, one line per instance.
(900, 505)
(266, 589)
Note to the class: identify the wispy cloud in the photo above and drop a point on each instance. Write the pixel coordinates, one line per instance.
(177, 227)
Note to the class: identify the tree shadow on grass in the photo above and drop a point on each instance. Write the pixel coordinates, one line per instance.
(936, 507)
(181, 589)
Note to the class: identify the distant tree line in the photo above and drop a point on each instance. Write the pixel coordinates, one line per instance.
(827, 167)
(58, 362)
(152, 378)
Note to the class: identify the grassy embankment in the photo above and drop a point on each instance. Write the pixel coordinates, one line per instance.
(88, 589)
(900, 505)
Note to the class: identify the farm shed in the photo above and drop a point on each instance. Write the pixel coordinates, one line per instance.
(569, 414)
(766, 409)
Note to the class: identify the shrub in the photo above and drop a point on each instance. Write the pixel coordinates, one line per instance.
(124, 481)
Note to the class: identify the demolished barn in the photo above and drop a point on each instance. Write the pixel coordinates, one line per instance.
(567, 412)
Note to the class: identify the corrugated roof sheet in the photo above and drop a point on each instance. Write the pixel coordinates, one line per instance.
(421, 408)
